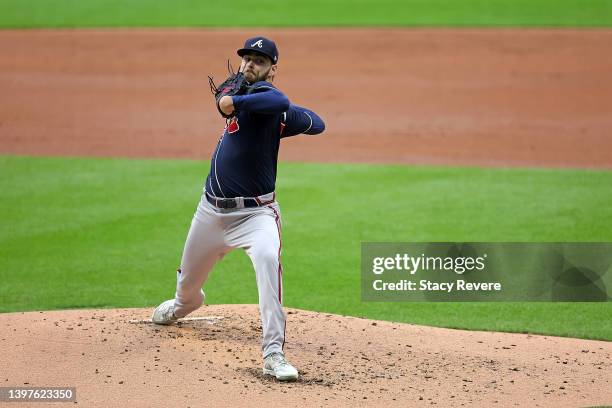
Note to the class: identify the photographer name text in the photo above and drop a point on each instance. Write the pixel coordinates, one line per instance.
(429, 286)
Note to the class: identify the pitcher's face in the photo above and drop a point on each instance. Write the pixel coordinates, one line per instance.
(256, 67)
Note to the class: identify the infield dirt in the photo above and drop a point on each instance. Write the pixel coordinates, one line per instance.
(115, 358)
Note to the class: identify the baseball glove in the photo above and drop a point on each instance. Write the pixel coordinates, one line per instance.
(235, 84)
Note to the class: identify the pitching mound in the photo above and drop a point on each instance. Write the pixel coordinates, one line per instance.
(113, 357)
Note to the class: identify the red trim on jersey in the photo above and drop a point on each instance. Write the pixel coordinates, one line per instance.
(233, 125)
(283, 124)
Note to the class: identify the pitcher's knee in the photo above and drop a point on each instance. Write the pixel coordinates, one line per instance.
(267, 257)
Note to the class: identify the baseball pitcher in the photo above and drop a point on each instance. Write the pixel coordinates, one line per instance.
(238, 208)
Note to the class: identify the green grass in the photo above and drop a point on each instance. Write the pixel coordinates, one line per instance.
(268, 13)
(82, 233)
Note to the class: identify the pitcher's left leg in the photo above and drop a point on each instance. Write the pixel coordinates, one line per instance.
(259, 235)
(265, 256)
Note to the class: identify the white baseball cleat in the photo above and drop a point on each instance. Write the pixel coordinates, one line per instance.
(164, 313)
(276, 365)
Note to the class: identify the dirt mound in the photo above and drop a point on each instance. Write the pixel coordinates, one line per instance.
(475, 97)
(213, 359)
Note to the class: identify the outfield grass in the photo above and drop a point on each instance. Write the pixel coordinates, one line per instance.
(272, 13)
(82, 233)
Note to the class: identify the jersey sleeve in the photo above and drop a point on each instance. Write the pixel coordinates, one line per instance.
(300, 120)
(263, 98)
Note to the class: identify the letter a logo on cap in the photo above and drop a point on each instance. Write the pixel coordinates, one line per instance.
(258, 43)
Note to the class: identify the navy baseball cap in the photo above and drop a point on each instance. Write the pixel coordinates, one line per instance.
(261, 45)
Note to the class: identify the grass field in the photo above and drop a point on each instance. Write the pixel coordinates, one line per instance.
(82, 233)
(268, 13)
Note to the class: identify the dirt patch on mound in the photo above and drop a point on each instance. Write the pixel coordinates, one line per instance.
(113, 357)
(420, 96)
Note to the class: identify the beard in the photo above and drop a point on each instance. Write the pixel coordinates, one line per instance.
(252, 78)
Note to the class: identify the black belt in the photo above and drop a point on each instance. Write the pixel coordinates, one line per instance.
(229, 203)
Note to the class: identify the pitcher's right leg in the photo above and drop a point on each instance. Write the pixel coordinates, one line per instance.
(203, 248)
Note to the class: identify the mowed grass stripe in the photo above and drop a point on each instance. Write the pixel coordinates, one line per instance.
(109, 233)
(268, 13)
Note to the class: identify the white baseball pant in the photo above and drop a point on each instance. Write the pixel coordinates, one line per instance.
(213, 233)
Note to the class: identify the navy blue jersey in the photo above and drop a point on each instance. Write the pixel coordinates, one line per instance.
(245, 160)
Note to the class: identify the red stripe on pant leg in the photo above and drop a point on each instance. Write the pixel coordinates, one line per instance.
(284, 334)
(280, 286)
(280, 247)
(280, 271)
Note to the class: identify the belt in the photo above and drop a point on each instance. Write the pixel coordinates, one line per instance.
(240, 202)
